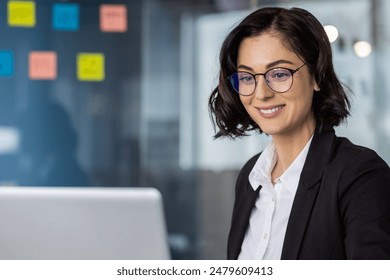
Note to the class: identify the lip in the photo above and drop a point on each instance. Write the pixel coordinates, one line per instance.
(271, 111)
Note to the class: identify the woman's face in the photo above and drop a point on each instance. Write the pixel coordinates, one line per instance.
(277, 114)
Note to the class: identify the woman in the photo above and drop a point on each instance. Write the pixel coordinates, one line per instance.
(309, 194)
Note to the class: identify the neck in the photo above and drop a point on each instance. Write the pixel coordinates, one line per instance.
(288, 147)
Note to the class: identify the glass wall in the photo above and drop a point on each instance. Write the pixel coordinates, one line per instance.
(124, 104)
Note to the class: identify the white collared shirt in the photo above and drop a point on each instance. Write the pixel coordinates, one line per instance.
(268, 221)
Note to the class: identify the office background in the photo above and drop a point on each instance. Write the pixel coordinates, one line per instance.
(114, 93)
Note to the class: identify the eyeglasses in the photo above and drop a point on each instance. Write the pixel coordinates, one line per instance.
(278, 79)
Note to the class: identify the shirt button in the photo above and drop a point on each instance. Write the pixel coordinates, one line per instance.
(265, 236)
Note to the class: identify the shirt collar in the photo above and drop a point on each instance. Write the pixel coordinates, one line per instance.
(261, 172)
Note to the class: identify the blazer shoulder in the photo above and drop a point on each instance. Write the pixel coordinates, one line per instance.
(356, 154)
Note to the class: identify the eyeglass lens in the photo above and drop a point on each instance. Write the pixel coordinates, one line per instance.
(278, 79)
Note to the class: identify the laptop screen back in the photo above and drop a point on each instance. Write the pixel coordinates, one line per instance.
(82, 223)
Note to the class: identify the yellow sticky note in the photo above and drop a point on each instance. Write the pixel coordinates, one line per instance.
(90, 67)
(42, 65)
(21, 13)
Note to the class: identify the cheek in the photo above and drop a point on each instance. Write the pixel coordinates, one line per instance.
(304, 104)
(246, 101)
(304, 94)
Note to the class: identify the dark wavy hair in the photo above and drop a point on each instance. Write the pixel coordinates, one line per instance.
(302, 33)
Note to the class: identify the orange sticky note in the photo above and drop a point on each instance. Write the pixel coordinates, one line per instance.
(113, 18)
(42, 65)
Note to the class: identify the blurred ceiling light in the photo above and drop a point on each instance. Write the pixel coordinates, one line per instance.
(332, 32)
(9, 140)
(362, 48)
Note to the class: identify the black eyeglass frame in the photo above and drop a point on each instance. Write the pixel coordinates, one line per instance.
(292, 71)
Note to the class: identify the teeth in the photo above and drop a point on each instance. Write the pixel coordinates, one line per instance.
(272, 110)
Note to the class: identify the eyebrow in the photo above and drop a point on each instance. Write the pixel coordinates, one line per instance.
(269, 65)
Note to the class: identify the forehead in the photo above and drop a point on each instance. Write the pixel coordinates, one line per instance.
(263, 49)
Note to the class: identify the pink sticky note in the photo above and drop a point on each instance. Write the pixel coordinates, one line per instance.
(43, 65)
(113, 18)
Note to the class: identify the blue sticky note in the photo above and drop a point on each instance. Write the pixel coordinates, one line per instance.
(6, 63)
(66, 16)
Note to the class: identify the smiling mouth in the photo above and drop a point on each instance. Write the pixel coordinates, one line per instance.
(271, 110)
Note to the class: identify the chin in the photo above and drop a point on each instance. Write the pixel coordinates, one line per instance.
(270, 132)
(269, 128)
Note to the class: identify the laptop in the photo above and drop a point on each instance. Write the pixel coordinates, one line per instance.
(59, 223)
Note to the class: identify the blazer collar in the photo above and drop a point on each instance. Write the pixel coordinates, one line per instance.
(317, 158)
(308, 187)
(240, 221)
(242, 210)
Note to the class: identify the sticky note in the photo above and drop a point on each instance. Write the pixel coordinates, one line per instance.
(6, 63)
(66, 16)
(90, 67)
(113, 18)
(21, 13)
(42, 65)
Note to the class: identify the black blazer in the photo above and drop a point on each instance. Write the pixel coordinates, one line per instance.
(341, 209)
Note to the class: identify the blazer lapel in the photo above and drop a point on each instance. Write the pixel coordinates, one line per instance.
(240, 220)
(307, 191)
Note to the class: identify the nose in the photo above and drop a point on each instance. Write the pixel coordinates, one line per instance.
(262, 90)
